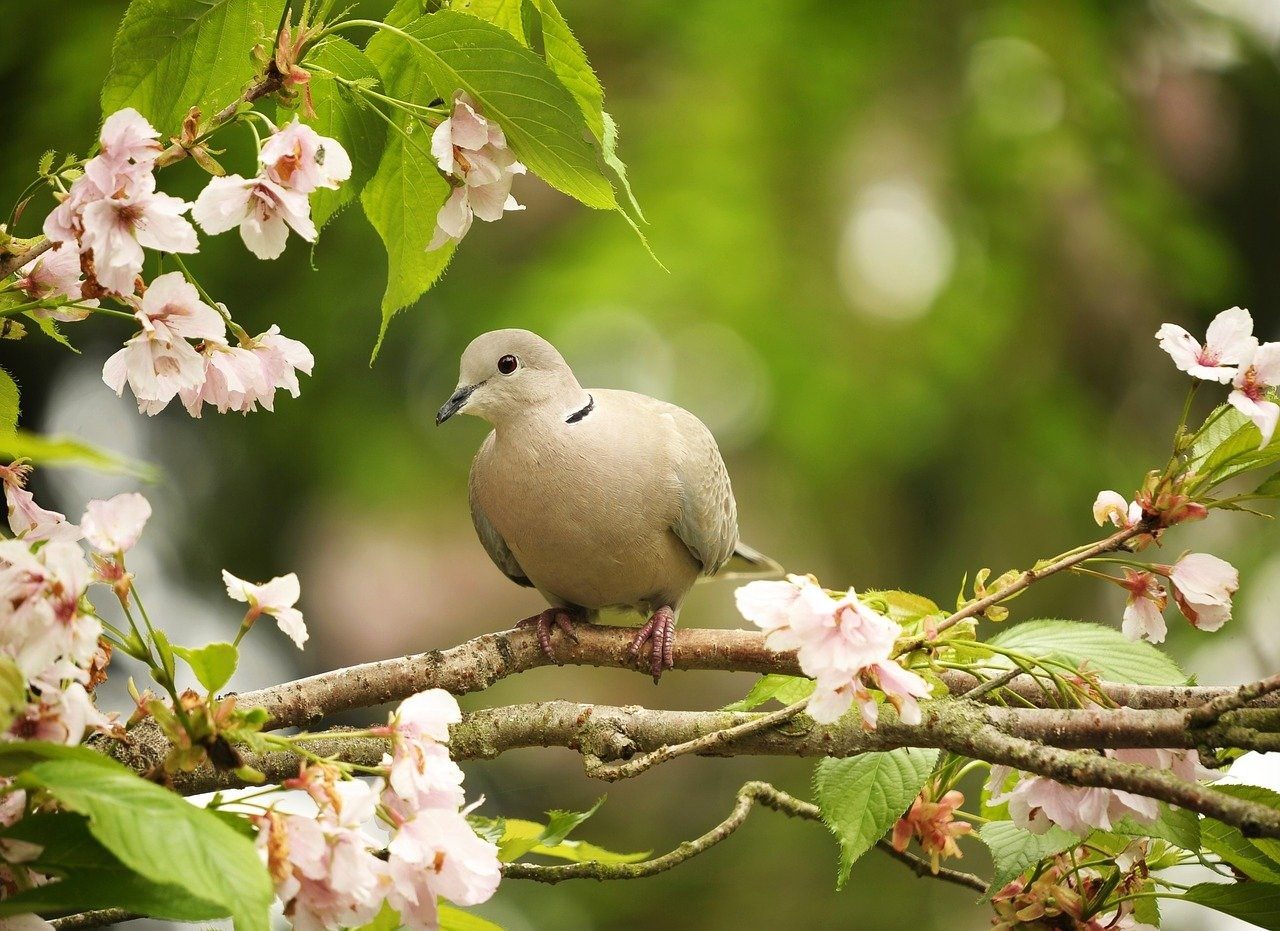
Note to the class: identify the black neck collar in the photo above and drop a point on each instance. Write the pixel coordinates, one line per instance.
(580, 414)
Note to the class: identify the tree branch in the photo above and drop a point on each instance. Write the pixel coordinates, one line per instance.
(749, 795)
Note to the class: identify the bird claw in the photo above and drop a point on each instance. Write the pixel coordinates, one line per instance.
(557, 617)
(660, 630)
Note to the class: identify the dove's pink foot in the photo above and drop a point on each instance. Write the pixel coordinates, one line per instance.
(660, 631)
(552, 617)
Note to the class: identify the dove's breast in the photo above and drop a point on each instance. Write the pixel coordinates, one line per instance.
(587, 508)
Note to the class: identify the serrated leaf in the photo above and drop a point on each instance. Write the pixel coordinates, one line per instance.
(160, 836)
(1236, 849)
(1107, 651)
(1014, 850)
(505, 14)
(515, 88)
(407, 191)
(13, 692)
(1257, 903)
(49, 327)
(455, 919)
(9, 404)
(569, 62)
(17, 755)
(904, 607)
(1268, 845)
(68, 451)
(214, 663)
(45, 165)
(609, 152)
(520, 838)
(786, 690)
(171, 55)
(1270, 487)
(861, 797)
(91, 877)
(342, 116)
(560, 823)
(1178, 826)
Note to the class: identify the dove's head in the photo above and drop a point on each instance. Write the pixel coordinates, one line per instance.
(508, 374)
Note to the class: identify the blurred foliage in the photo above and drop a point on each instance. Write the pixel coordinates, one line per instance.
(917, 254)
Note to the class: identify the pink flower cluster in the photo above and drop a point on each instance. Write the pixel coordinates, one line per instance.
(1231, 353)
(295, 161)
(1036, 802)
(112, 211)
(325, 868)
(472, 152)
(46, 628)
(841, 643)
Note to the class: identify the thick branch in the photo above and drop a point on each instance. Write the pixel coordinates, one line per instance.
(749, 795)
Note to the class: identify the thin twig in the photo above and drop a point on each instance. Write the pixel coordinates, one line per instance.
(1031, 576)
(991, 685)
(1209, 713)
(99, 918)
(749, 795)
(704, 744)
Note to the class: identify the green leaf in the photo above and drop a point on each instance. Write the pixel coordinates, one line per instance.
(1257, 903)
(1108, 652)
(15, 756)
(1236, 849)
(94, 878)
(68, 451)
(8, 405)
(609, 152)
(407, 191)
(516, 88)
(904, 607)
(861, 797)
(569, 62)
(521, 837)
(1268, 845)
(1014, 850)
(505, 14)
(773, 687)
(170, 55)
(13, 692)
(387, 919)
(160, 836)
(1178, 826)
(561, 823)
(1270, 488)
(455, 919)
(49, 327)
(342, 115)
(214, 664)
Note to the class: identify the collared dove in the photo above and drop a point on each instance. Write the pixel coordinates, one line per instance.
(597, 498)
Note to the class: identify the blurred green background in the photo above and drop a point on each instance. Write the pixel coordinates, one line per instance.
(916, 253)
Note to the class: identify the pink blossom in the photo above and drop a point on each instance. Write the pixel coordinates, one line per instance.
(281, 359)
(473, 150)
(114, 525)
(1144, 611)
(299, 158)
(421, 775)
(1252, 384)
(426, 715)
(65, 223)
(263, 209)
(276, 598)
(60, 716)
(1229, 343)
(436, 853)
(171, 310)
(1111, 506)
(902, 687)
(486, 201)
(52, 275)
(42, 627)
(233, 379)
(155, 369)
(117, 228)
(26, 518)
(1202, 586)
(129, 146)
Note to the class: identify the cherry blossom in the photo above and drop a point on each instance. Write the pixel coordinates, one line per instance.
(155, 370)
(1202, 587)
(840, 642)
(426, 715)
(276, 598)
(42, 627)
(114, 525)
(281, 358)
(1229, 343)
(472, 150)
(129, 146)
(1144, 612)
(932, 822)
(1252, 384)
(436, 853)
(233, 379)
(117, 228)
(420, 772)
(53, 275)
(299, 158)
(60, 716)
(1111, 506)
(171, 309)
(263, 210)
(26, 518)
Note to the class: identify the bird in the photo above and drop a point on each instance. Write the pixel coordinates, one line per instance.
(597, 498)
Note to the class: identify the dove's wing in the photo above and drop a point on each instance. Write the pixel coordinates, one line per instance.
(490, 539)
(708, 521)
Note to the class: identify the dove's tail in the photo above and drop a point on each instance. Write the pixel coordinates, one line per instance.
(746, 563)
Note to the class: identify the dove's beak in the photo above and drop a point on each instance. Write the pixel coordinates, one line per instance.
(455, 403)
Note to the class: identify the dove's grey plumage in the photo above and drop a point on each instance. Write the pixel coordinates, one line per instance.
(597, 498)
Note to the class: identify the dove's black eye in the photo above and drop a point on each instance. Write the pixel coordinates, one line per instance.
(507, 364)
